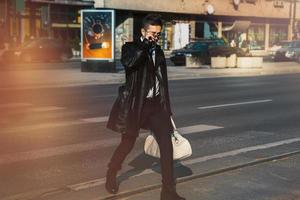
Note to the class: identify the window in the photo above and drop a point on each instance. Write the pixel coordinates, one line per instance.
(199, 45)
(296, 44)
(278, 33)
(256, 37)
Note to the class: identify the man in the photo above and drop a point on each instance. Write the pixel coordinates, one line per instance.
(149, 107)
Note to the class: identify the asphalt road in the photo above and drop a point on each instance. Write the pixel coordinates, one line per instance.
(54, 144)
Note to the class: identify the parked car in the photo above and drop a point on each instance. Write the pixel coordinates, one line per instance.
(293, 51)
(41, 49)
(200, 47)
(282, 44)
(280, 53)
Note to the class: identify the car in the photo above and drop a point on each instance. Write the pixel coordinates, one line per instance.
(293, 51)
(201, 47)
(41, 49)
(281, 53)
(277, 46)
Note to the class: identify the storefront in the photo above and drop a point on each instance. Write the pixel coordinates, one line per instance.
(278, 32)
(256, 36)
(43, 18)
(190, 20)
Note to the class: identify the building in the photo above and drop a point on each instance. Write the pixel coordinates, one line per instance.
(261, 23)
(25, 19)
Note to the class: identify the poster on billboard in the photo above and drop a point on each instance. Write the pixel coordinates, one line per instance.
(97, 35)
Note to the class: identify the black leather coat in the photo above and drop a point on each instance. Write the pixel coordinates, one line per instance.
(138, 67)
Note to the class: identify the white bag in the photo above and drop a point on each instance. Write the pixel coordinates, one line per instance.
(181, 146)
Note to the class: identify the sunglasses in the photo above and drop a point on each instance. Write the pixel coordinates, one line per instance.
(154, 34)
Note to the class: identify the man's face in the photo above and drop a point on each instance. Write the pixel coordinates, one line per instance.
(152, 32)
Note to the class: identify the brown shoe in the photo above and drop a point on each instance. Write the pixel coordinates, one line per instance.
(111, 182)
(169, 193)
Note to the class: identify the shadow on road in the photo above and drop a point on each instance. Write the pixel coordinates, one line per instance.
(144, 162)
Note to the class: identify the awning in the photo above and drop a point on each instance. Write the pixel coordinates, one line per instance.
(66, 2)
(238, 26)
(58, 25)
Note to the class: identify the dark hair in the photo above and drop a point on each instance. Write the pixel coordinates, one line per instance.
(97, 28)
(152, 19)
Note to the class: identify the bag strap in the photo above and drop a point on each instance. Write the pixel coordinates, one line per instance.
(174, 126)
(173, 123)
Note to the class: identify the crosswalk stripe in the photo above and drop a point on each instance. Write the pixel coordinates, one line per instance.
(228, 153)
(40, 126)
(242, 150)
(74, 148)
(100, 181)
(46, 108)
(235, 104)
(102, 119)
(54, 125)
(197, 128)
(95, 119)
(105, 96)
(12, 105)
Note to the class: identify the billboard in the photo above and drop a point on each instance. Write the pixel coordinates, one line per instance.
(97, 34)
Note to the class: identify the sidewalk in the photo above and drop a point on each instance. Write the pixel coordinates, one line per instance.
(72, 76)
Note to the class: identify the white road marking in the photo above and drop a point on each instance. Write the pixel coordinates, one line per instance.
(54, 125)
(235, 104)
(88, 184)
(95, 119)
(41, 126)
(55, 151)
(240, 151)
(31, 194)
(101, 181)
(197, 128)
(190, 129)
(104, 96)
(73, 148)
(11, 105)
(46, 108)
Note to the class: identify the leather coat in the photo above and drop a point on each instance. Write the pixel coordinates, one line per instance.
(139, 66)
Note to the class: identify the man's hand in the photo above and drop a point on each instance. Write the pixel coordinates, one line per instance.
(146, 44)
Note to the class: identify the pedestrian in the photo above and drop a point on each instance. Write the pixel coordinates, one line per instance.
(144, 102)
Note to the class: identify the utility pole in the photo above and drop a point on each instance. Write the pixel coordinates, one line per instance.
(5, 10)
(6, 20)
(294, 20)
(49, 21)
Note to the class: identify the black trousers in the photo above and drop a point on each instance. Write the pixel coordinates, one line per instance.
(158, 121)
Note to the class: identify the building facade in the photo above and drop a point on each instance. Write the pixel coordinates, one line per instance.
(262, 23)
(25, 19)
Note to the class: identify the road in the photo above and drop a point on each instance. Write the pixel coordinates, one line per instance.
(54, 144)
